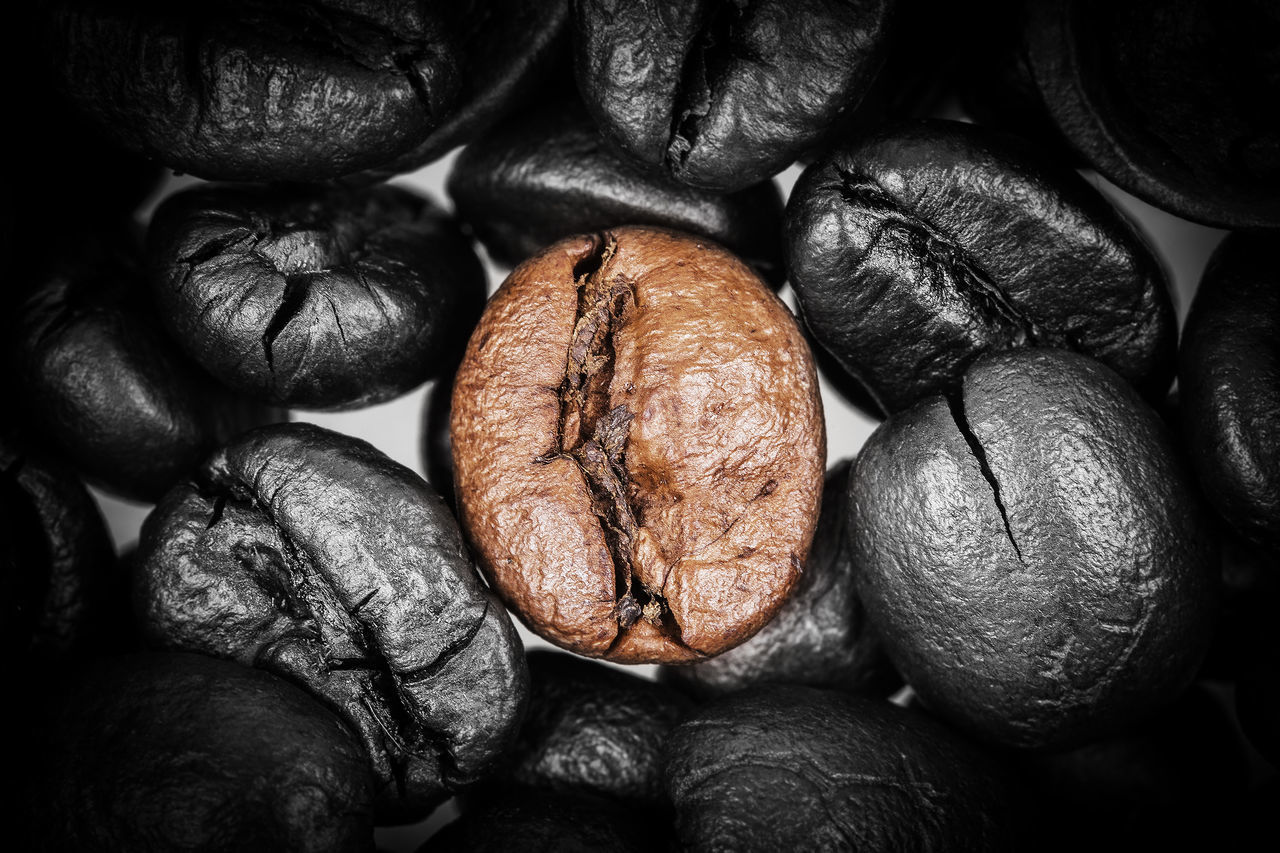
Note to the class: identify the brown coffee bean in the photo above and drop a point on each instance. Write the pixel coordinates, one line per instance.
(638, 446)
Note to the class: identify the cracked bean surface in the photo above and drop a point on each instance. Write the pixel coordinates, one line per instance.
(313, 297)
(638, 446)
(1031, 554)
(721, 94)
(101, 382)
(251, 90)
(313, 556)
(930, 243)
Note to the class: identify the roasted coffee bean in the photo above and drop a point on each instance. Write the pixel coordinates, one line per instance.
(311, 297)
(546, 174)
(1175, 773)
(722, 94)
(638, 444)
(509, 48)
(259, 91)
(795, 768)
(918, 249)
(312, 555)
(162, 752)
(1031, 554)
(436, 450)
(60, 579)
(105, 387)
(593, 729)
(535, 821)
(1229, 376)
(820, 636)
(1173, 101)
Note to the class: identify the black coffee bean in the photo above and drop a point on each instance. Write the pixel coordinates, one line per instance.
(820, 636)
(546, 174)
(436, 448)
(1034, 559)
(1177, 772)
(61, 587)
(259, 91)
(1229, 376)
(1173, 101)
(509, 50)
(528, 820)
(105, 387)
(312, 555)
(311, 297)
(722, 94)
(593, 729)
(922, 247)
(164, 752)
(795, 768)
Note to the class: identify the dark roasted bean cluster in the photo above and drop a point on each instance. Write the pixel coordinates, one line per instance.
(840, 426)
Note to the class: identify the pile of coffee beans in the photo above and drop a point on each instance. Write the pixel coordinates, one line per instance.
(649, 595)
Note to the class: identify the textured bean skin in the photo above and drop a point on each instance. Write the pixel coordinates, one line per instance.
(102, 384)
(820, 636)
(593, 729)
(920, 248)
(1229, 382)
(794, 768)
(313, 297)
(509, 47)
(259, 91)
(546, 174)
(312, 555)
(1173, 101)
(637, 445)
(1032, 555)
(163, 752)
(60, 581)
(724, 94)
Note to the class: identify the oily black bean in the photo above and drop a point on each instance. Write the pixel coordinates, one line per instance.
(820, 635)
(914, 251)
(156, 753)
(795, 768)
(529, 820)
(60, 579)
(1173, 101)
(509, 49)
(314, 297)
(312, 555)
(546, 174)
(436, 447)
(102, 384)
(1031, 554)
(593, 729)
(1229, 376)
(722, 94)
(259, 91)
